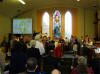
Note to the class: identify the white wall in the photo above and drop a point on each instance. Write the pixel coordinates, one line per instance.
(80, 22)
(99, 14)
(86, 18)
(99, 24)
(30, 14)
(34, 19)
(5, 26)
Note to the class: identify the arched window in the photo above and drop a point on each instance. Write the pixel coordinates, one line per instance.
(57, 24)
(68, 25)
(45, 23)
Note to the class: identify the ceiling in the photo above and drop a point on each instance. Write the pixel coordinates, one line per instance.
(14, 7)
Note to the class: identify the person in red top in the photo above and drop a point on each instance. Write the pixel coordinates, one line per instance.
(82, 67)
(57, 52)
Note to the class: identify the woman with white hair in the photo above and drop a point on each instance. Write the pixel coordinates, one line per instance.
(39, 44)
(82, 67)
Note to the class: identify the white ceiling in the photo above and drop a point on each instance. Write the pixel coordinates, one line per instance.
(14, 7)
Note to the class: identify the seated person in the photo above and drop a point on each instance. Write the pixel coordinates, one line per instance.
(32, 67)
(55, 71)
(96, 64)
(82, 67)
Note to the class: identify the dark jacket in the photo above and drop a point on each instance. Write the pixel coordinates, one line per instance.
(33, 52)
(18, 61)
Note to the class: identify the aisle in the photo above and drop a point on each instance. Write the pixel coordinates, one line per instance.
(67, 61)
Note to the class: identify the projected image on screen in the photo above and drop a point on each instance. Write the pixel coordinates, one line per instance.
(22, 26)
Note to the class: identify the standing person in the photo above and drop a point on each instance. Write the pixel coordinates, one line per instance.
(82, 41)
(75, 47)
(66, 41)
(45, 43)
(39, 45)
(57, 49)
(18, 59)
(32, 51)
(86, 40)
(71, 42)
(21, 39)
(51, 44)
(15, 39)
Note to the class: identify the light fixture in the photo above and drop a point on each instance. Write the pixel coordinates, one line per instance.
(78, 0)
(22, 2)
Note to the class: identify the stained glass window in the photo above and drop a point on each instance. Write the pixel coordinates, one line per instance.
(45, 23)
(68, 24)
(57, 24)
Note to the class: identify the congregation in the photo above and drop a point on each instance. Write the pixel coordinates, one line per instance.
(39, 53)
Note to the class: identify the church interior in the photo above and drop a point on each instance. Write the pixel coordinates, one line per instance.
(61, 36)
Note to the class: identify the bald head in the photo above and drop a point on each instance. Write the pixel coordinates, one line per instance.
(55, 71)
